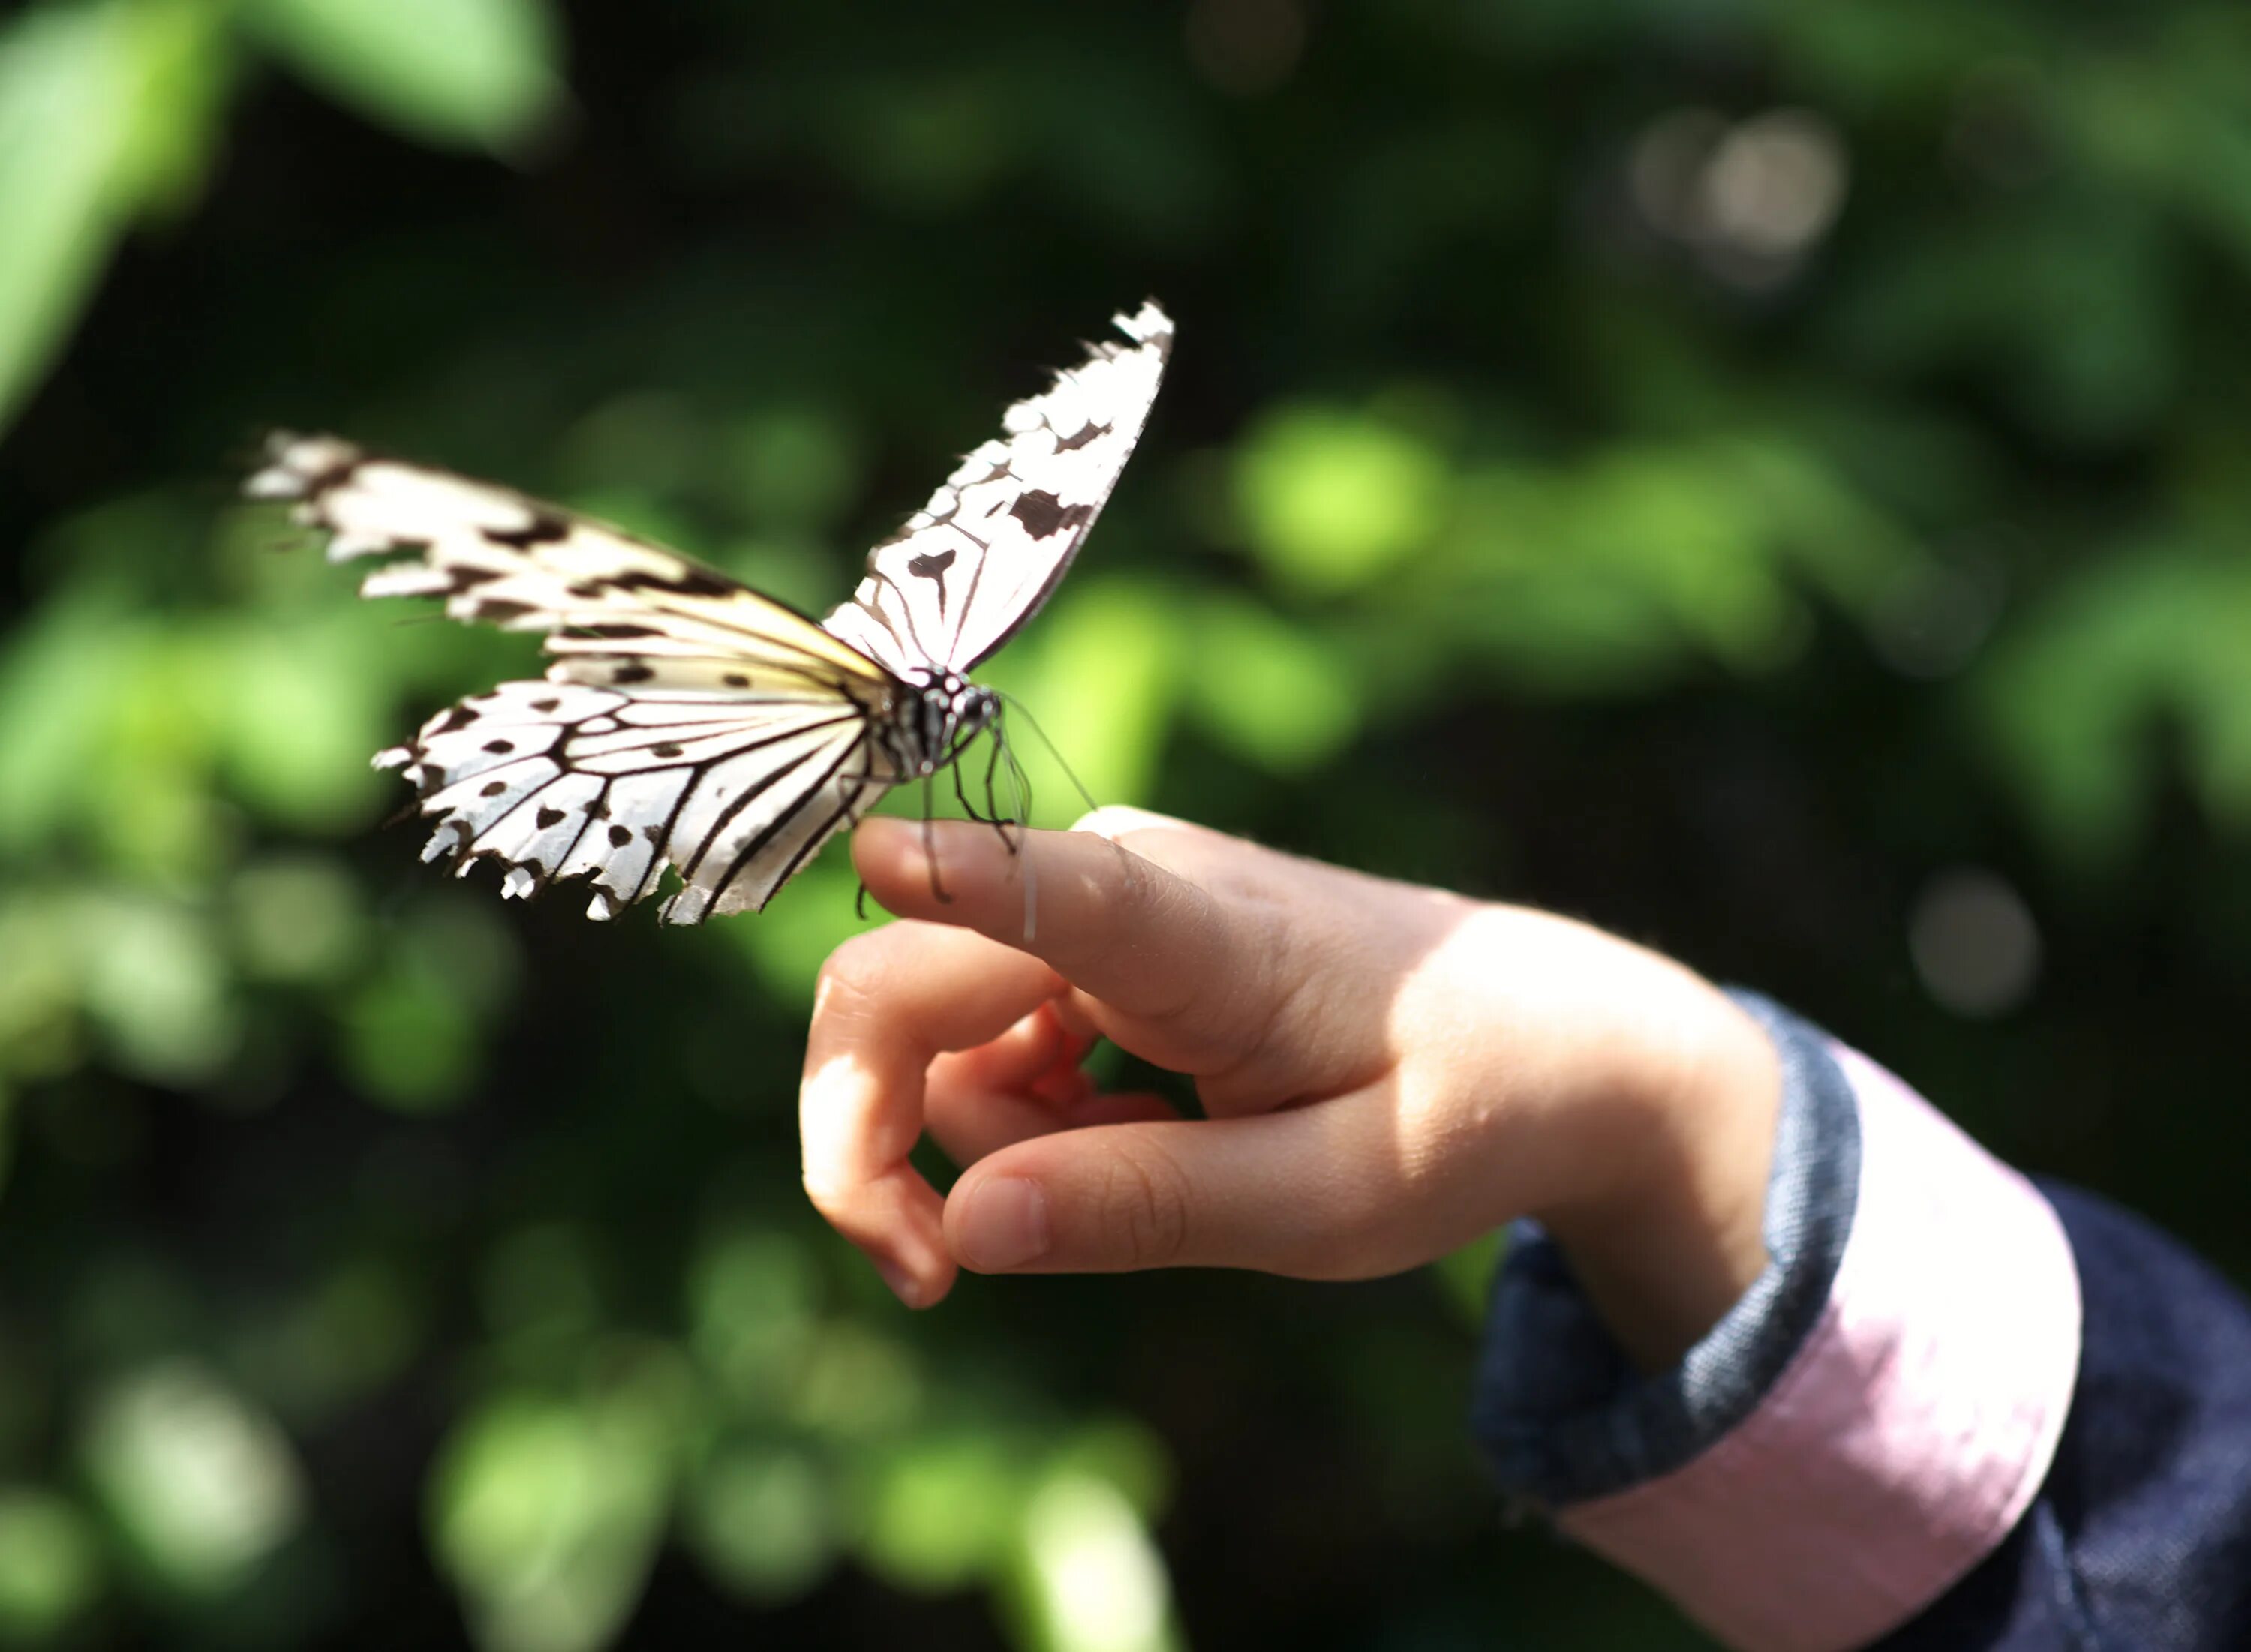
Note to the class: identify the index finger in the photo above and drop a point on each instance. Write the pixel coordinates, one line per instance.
(1123, 929)
(888, 1002)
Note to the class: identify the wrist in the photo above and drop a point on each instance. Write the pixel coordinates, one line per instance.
(1663, 1231)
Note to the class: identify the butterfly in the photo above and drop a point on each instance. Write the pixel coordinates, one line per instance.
(688, 721)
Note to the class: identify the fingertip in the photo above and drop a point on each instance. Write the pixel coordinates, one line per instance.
(917, 869)
(1000, 1223)
(917, 1289)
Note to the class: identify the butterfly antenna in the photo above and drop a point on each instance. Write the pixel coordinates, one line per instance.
(1017, 706)
(1022, 788)
(1124, 859)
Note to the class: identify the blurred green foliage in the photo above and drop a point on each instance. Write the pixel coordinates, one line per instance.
(1764, 476)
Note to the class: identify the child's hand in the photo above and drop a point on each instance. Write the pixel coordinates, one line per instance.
(1389, 1072)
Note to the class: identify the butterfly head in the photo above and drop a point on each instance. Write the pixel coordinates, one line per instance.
(947, 712)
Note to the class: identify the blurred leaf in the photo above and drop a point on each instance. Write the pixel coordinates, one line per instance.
(305, 711)
(1466, 1277)
(478, 74)
(789, 939)
(105, 109)
(762, 1520)
(2077, 699)
(1268, 689)
(856, 1385)
(157, 986)
(751, 1298)
(50, 1569)
(1101, 677)
(546, 1513)
(941, 1511)
(202, 1484)
(412, 1031)
(297, 918)
(344, 1337)
(1334, 499)
(1088, 1577)
(57, 687)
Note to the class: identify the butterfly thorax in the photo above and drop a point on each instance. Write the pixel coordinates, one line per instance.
(941, 712)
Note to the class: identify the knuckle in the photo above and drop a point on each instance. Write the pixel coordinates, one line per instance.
(852, 976)
(826, 1196)
(1147, 1198)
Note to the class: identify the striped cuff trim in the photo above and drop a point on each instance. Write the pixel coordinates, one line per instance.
(1911, 1431)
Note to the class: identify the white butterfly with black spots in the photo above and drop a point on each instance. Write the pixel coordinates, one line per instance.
(688, 721)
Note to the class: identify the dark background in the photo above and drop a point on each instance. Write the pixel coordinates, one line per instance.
(1767, 478)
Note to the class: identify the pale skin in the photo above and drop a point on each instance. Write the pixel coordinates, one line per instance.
(1387, 1072)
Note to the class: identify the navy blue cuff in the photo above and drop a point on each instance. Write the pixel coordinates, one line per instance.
(1561, 1412)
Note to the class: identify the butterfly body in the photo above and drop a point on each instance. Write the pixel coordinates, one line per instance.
(688, 721)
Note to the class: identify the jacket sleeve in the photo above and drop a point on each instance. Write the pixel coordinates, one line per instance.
(1957, 1410)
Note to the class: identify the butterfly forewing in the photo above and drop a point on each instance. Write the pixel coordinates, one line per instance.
(970, 566)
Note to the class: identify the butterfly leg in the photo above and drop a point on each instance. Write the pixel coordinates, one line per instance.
(929, 841)
(968, 808)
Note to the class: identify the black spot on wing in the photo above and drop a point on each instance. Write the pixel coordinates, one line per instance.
(931, 565)
(619, 836)
(499, 611)
(549, 818)
(620, 632)
(628, 674)
(688, 581)
(1044, 515)
(327, 480)
(1087, 432)
(545, 526)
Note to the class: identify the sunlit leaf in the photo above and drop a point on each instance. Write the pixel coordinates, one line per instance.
(1089, 1577)
(157, 985)
(1333, 499)
(202, 1484)
(941, 1511)
(2079, 701)
(763, 1520)
(751, 1298)
(1268, 689)
(545, 1513)
(105, 108)
(1101, 677)
(50, 1565)
(298, 918)
(472, 73)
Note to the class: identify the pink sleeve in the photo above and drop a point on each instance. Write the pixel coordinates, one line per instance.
(1910, 1432)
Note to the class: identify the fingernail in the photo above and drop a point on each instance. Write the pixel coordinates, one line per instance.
(903, 1284)
(874, 831)
(1006, 1225)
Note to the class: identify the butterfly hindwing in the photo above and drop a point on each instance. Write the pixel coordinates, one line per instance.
(687, 721)
(979, 560)
(563, 781)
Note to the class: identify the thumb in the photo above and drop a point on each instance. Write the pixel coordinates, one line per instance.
(1314, 1193)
